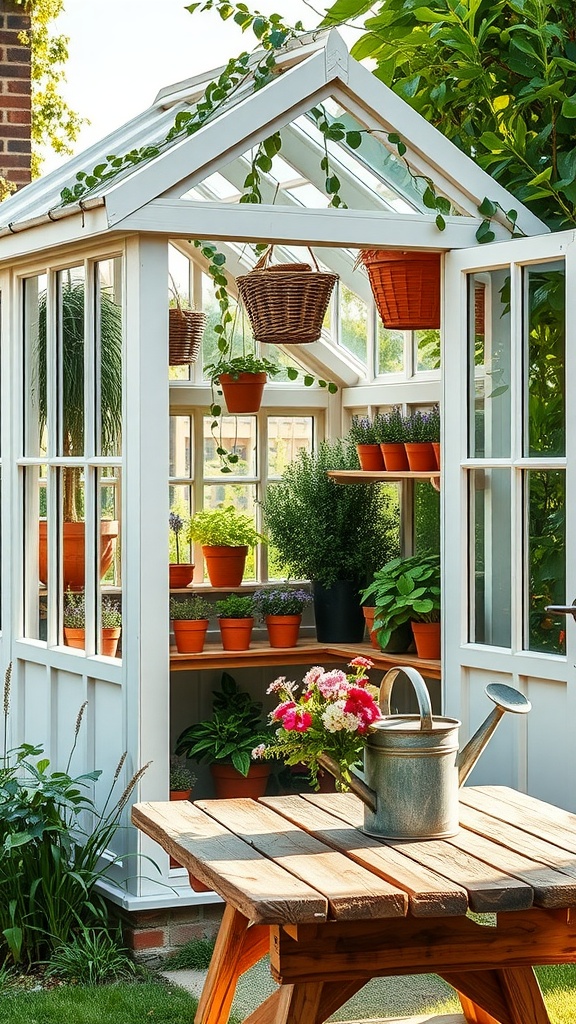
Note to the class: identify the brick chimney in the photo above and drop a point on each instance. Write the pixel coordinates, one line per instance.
(15, 95)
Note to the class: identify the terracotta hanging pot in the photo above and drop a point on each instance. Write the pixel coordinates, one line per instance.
(229, 782)
(370, 456)
(283, 630)
(181, 574)
(225, 565)
(395, 458)
(236, 633)
(420, 456)
(243, 394)
(427, 640)
(405, 286)
(189, 635)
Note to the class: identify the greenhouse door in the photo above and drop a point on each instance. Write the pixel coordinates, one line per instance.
(509, 501)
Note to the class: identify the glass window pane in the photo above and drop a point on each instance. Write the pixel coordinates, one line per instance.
(490, 557)
(489, 349)
(390, 349)
(71, 345)
(35, 362)
(180, 497)
(426, 518)
(181, 447)
(427, 349)
(243, 498)
(110, 562)
(287, 435)
(544, 325)
(72, 527)
(237, 434)
(35, 552)
(109, 355)
(546, 498)
(353, 322)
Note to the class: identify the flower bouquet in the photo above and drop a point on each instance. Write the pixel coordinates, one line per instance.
(331, 715)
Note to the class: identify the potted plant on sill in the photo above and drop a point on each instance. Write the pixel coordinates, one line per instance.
(391, 434)
(434, 432)
(230, 742)
(74, 620)
(407, 590)
(236, 620)
(181, 573)
(418, 442)
(225, 535)
(190, 617)
(364, 433)
(241, 380)
(72, 299)
(332, 534)
(281, 609)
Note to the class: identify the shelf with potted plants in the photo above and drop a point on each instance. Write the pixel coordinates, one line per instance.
(394, 447)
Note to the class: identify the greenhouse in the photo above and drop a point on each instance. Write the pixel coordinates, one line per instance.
(111, 438)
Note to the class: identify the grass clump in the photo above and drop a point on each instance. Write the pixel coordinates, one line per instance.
(192, 956)
(93, 957)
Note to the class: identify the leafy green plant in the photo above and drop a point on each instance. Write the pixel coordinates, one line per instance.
(52, 836)
(417, 427)
(392, 427)
(188, 608)
(192, 956)
(326, 531)
(364, 430)
(223, 526)
(404, 590)
(283, 600)
(234, 731)
(181, 777)
(240, 364)
(92, 957)
(74, 611)
(235, 606)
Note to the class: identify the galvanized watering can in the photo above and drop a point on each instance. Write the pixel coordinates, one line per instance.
(412, 765)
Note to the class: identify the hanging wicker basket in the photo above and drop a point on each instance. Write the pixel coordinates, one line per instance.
(405, 286)
(286, 303)
(185, 330)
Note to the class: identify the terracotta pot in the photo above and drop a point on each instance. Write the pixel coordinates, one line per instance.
(369, 613)
(228, 782)
(420, 456)
(236, 633)
(371, 458)
(406, 287)
(427, 639)
(189, 635)
(224, 565)
(400, 638)
(395, 458)
(178, 794)
(74, 548)
(74, 637)
(436, 447)
(243, 394)
(283, 630)
(110, 636)
(181, 574)
(195, 883)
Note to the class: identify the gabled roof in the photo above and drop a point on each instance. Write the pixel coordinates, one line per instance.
(317, 68)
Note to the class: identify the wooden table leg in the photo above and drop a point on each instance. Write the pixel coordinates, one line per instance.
(238, 947)
(508, 996)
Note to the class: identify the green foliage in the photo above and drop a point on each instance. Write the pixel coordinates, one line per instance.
(282, 600)
(240, 364)
(123, 1003)
(392, 427)
(74, 612)
(92, 957)
(235, 606)
(404, 590)
(181, 777)
(325, 531)
(188, 608)
(364, 430)
(223, 527)
(192, 956)
(235, 729)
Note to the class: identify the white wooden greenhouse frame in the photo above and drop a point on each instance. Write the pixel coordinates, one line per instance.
(134, 217)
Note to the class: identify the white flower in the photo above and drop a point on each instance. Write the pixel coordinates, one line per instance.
(258, 752)
(335, 719)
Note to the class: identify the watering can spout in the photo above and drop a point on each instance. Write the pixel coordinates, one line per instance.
(354, 783)
(506, 698)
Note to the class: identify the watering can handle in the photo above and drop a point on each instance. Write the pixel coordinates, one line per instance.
(420, 689)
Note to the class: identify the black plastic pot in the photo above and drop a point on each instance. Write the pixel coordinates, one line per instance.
(339, 615)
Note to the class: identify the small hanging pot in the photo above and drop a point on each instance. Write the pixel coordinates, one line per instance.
(405, 286)
(185, 330)
(286, 303)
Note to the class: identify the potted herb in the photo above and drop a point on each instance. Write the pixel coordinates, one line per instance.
(74, 621)
(182, 779)
(392, 434)
(408, 590)
(332, 534)
(181, 573)
(236, 620)
(434, 432)
(225, 535)
(281, 609)
(241, 380)
(230, 742)
(72, 298)
(418, 442)
(190, 616)
(364, 434)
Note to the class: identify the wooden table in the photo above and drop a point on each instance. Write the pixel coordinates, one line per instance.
(335, 908)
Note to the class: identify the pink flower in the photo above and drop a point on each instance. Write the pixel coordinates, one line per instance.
(296, 720)
(363, 705)
(282, 710)
(331, 684)
(360, 662)
(312, 675)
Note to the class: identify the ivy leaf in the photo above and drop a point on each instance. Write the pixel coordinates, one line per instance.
(332, 388)
(429, 198)
(292, 373)
(440, 222)
(487, 207)
(259, 27)
(308, 380)
(216, 410)
(219, 259)
(353, 140)
(485, 233)
(401, 148)
(332, 184)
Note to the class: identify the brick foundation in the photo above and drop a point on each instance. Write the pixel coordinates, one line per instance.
(154, 934)
(15, 95)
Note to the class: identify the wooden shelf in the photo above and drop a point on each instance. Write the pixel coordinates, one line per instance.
(362, 476)
(307, 652)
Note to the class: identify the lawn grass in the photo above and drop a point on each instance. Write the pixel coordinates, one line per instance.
(558, 984)
(148, 1002)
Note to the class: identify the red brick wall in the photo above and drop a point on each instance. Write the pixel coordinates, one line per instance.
(15, 90)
